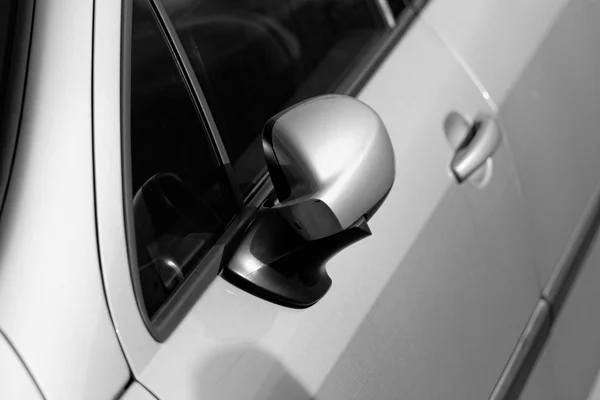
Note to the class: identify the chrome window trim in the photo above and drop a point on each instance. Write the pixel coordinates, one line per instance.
(386, 12)
(193, 86)
(178, 305)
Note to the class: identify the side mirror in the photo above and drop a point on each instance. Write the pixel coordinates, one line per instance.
(331, 162)
(332, 165)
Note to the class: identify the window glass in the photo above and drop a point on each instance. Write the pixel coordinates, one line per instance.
(398, 6)
(180, 201)
(8, 11)
(14, 30)
(253, 58)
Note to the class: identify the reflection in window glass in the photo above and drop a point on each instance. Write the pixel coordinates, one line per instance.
(255, 57)
(180, 206)
(13, 43)
(398, 6)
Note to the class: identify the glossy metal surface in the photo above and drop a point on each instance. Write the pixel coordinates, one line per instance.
(561, 172)
(573, 348)
(403, 328)
(570, 361)
(336, 158)
(541, 70)
(386, 12)
(456, 128)
(493, 39)
(556, 100)
(595, 392)
(477, 149)
(15, 380)
(565, 362)
(110, 195)
(541, 384)
(393, 335)
(53, 306)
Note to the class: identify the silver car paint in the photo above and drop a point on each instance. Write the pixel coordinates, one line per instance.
(338, 160)
(52, 183)
(53, 308)
(15, 380)
(232, 344)
(549, 108)
(552, 119)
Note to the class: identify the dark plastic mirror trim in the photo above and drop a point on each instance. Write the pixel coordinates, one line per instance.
(291, 271)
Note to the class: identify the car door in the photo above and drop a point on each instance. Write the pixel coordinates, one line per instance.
(429, 306)
(541, 71)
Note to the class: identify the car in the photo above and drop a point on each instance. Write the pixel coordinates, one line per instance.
(294, 199)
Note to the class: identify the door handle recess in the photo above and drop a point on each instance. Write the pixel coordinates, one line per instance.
(479, 144)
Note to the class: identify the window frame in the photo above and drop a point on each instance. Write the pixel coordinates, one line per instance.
(178, 305)
(11, 111)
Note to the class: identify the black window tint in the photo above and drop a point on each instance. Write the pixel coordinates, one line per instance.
(255, 57)
(398, 6)
(15, 29)
(181, 203)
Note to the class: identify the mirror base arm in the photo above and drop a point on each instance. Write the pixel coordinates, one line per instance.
(274, 263)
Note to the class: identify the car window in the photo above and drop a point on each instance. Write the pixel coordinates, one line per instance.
(181, 200)
(397, 6)
(254, 58)
(202, 77)
(15, 27)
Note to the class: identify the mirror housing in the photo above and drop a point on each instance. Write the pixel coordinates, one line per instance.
(331, 162)
(332, 165)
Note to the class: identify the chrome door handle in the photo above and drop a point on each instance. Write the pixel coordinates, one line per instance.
(479, 144)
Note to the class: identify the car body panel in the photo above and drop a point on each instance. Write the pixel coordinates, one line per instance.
(544, 86)
(108, 182)
(495, 39)
(399, 297)
(595, 393)
(261, 348)
(15, 380)
(572, 352)
(438, 295)
(55, 310)
(541, 384)
(549, 109)
(551, 119)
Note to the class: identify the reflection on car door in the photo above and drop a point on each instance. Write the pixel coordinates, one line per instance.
(430, 306)
(542, 72)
